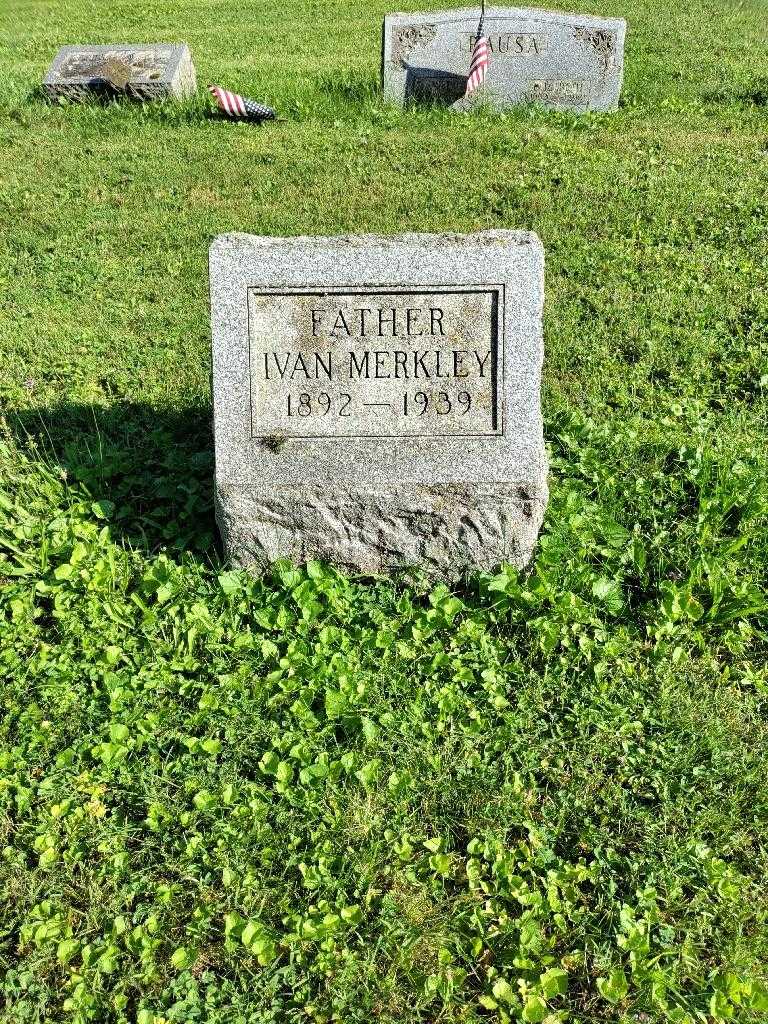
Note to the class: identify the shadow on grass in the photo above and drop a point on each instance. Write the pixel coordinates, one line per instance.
(755, 95)
(154, 465)
(161, 110)
(157, 468)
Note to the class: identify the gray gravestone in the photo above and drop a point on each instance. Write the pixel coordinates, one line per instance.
(563, 61)
(377, 400)
(145, 72)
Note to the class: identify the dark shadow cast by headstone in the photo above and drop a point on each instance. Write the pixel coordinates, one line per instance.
(161, 110)
(753, 95)
(154, 465)
(219, 116)
(429, 86)
(757, 95)
(101, 94)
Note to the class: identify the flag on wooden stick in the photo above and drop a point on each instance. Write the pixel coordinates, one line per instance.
(478, 66)
(232, 105)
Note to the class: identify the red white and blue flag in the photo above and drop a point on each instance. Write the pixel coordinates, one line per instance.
(232, 105)
(478, 66)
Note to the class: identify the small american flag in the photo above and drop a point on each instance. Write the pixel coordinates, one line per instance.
(478, 67)
(232, 105)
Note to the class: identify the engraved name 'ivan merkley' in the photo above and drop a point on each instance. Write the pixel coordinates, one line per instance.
(375, 362)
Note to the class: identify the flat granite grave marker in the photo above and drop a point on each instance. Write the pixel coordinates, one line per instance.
(145, 72)
(377, 400)
(563, 61)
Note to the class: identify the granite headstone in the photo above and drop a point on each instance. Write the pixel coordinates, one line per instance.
(563, 61)
(144, 72)
(377, 400)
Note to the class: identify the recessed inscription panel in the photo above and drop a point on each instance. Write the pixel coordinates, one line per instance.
(375, 363)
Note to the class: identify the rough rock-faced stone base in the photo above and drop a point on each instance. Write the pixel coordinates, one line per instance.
(445, 529)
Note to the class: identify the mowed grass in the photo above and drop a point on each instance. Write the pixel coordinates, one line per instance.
(541, 797)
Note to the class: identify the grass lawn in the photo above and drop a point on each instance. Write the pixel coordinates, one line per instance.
(313, 798)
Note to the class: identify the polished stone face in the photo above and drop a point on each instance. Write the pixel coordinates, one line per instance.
(376, 400)
(564, 61)
(151, 71)
(372, 363)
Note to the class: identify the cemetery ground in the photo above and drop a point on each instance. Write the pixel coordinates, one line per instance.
(541, 796)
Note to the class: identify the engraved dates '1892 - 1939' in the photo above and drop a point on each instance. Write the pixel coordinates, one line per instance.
(375, 363)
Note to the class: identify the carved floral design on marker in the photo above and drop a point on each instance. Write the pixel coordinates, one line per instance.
(602, 42)
(408, 38)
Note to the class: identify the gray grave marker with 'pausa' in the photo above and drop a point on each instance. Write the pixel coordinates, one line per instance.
(377, 400)
(145, 72)
(563, 61)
